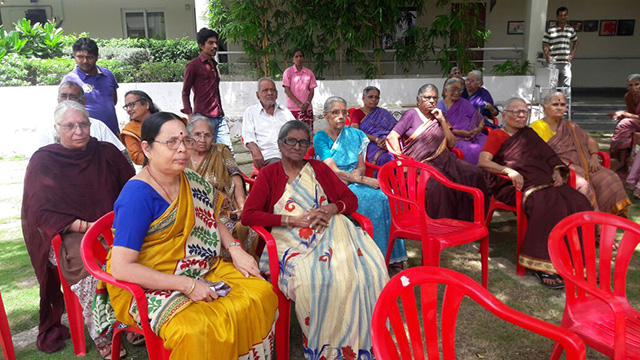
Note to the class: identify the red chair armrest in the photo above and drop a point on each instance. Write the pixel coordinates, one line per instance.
(572, 178)
(371, 168)
(458, 153)
(605, 158)
(364, 222)
(272, 251)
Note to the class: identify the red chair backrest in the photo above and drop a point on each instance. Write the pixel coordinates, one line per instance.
(580, 257)
(405, 185)
(311, 154)
(398, 300)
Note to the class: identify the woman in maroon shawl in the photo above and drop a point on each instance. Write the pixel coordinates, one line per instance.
(518, 152)
(427, 137)
(628, 124)
(579, 151)
(465, 120)
(376, 123)
(68, 185)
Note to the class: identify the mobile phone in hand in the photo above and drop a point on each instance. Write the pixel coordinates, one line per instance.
(220, 287)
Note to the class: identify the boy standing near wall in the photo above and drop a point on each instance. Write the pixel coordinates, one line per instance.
(201, 75)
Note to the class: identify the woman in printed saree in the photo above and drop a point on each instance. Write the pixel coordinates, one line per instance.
(579, 151)
(480, 98)
(216, 164)
(628, 124)
(376, 123)
(331, 269)
(168, 241)
(138, 106)
(67, 186)
(533, 167)
(427, 137)
(466, 121)
(342, 148)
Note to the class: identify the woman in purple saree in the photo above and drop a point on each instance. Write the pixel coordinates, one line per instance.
(465, 120)
(376, 123)
(427, 138)
(628, 124)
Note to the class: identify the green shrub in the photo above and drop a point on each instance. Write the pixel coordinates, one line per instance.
(160, 72)
(122, 72)
(49, 71)
(160, 50)
(13, 72)
(128, 56)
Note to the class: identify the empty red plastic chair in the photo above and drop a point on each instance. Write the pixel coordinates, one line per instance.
(596, 308)
(405, 183)
(5, 334)
(283, 323)
(401, 289)
(94, 256)
(72, 304)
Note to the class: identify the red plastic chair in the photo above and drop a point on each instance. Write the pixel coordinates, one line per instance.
(71, 302)
(457, 286)
(5, 334)
(596, 308)
(370, 171)
(283, 323)
(94, 257)
(405, 183)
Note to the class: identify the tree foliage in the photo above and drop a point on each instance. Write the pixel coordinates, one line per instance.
(345, 32)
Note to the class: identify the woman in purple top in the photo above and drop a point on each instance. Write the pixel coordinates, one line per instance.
(376, 123)
(465, 120)
(480, 97)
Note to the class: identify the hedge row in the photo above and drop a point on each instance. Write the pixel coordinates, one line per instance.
(20, 71)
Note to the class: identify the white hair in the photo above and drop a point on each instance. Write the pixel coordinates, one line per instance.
(65, 106)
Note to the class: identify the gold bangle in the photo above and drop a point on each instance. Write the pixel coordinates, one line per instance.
(286, 220)
(193, 287)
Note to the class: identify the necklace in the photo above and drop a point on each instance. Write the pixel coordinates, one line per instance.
(158, 182)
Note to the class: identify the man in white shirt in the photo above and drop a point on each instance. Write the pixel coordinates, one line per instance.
(69, 90)
(261, 124)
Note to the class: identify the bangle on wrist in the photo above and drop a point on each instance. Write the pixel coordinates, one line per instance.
(193, 287)
(233, 243)
(286, 220)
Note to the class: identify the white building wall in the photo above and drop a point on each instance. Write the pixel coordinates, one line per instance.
(104, 19)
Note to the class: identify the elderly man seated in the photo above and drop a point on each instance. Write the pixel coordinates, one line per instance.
(262, 122)
(69, 90)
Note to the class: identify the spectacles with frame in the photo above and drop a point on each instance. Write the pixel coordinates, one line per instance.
(73, 97)
(174, 143)
(292, 142)
(69, 127)
(131, 104)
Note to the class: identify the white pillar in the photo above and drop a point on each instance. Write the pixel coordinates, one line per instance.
(201, 10)
(534, 27)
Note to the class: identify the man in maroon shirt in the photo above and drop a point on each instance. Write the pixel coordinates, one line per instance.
(201, 75)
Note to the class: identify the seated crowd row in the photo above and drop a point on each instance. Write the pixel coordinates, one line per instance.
(177, 220)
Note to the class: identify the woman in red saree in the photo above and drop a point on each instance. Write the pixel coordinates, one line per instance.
(533, 167)
(579, 151)
(628, 123)
(427, 137)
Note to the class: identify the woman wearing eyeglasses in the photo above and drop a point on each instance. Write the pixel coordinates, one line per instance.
(466, 122)
(168, 239)
(344, 149)
(139, 106)
(215, 163)
(68, 185)
(427, 136)
(331, 269)
(533, 167)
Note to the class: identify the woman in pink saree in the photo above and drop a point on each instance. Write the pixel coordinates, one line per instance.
(628, 123)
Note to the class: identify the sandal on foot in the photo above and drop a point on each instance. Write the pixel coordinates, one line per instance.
(104, 350)
(542, 276)
(134, 338)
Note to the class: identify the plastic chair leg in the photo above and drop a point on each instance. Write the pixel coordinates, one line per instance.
(283, 327)
(484, 259)
(392, 241)
(430, 254)
(116, 342)
(556, 352)
(5, 334)
(76, 321)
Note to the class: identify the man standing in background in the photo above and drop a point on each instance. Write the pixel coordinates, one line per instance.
(559, 46)
(99, 85)
(201, 75)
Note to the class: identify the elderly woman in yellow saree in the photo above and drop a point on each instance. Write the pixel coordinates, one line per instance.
(167, 240)
(215, 163)
(579, 151)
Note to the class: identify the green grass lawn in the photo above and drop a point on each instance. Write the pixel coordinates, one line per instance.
(479, 335)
